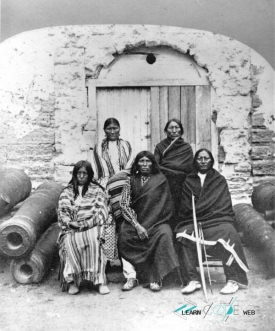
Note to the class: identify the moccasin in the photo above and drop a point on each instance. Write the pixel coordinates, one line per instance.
(103, 289)
(230, 287)
(155, 286)
(73, 289)
(130, 284)
(191, 287)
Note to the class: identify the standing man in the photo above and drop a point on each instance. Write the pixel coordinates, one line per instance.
(215, 215)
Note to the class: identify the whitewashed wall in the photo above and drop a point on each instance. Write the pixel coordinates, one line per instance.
(43, 101)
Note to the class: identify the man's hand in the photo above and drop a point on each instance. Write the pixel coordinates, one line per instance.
(142, 233)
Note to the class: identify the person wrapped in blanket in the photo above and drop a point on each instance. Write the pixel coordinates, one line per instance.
(175, 157)
(82, 212)
(145, 238)
(114, 156)
(215, 216)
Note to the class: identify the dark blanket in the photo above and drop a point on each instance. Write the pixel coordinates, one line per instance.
(215, 213)
(154, 257)
(212, 201)
(175, 161)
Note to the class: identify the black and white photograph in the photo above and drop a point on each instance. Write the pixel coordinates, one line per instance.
(137, 165)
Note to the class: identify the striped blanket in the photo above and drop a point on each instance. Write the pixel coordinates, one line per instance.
(82, 247)
(101, 162)
(104, 173)
(115, 186)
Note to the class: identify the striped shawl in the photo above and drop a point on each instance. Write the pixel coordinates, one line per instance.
(101, 162)
(82, 247)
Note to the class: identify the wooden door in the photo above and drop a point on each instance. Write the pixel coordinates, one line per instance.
(131, 107)
(191, 105)
(143, 96)
(144, 111)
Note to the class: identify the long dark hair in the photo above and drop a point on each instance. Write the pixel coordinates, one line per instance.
(109, 121)
(195, 166)
(178, 122)
(88, 167)
(150, 156)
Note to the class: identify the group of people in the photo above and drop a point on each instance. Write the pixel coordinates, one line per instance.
(141, 209)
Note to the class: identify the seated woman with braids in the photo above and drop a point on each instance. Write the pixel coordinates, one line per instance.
(82, 211)
(144, 237)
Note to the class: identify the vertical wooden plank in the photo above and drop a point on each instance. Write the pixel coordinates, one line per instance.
(93, 106)
(214, 144)
(130, 106)
(148, 121)
(174, 101)
(101, 98)
(124, 107)
(203, 112)
(137, 96)
(143, 119)
(132, 116)
(155, 118)
(129, 103)
(183, 110)
(190, 126)
(125, 101)
(163, 109)
(92, 100)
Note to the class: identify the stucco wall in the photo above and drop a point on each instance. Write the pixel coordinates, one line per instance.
(44, 109)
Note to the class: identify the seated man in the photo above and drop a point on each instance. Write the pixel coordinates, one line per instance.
(145, 238)
(215, 215)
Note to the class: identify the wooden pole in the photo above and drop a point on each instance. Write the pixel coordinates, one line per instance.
(208, 271)
(199, 248)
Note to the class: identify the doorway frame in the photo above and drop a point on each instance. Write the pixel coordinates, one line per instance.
(93, 83)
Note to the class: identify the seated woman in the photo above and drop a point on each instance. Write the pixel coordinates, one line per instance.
(144, 238)
(175, 157)
(82, 211)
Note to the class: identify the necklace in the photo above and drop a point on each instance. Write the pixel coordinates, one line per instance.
(144, 179)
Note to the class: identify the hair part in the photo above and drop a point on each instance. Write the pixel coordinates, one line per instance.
(109, 121)
(176, 121)
(151, 157)
(195, 166)
(88, 167)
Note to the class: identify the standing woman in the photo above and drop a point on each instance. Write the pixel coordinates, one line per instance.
(145, 238)
(175, 158)
(82, 211)
(109, 158)
(112, 155)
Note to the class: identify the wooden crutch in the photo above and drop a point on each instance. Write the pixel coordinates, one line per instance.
(203, 244)
(199, 248)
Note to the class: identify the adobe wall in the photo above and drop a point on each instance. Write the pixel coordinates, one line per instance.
(45, 121)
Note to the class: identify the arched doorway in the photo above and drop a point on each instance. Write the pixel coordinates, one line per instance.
(146, 87)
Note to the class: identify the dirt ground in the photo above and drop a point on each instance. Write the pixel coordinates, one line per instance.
(41, 307)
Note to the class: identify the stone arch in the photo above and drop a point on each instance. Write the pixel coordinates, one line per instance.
(167, 84)
(44, 101)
